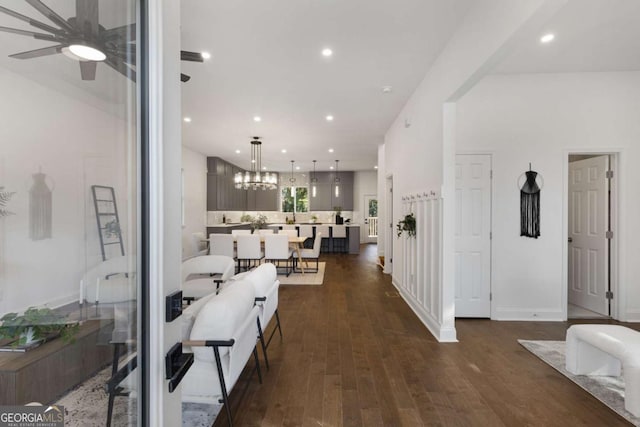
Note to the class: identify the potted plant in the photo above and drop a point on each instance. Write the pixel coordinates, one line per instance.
(407, 224)
(314, 219)
(35, 326)
(338, 211)
(258, 222)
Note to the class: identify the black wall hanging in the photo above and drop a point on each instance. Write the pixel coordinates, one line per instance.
(530, 203)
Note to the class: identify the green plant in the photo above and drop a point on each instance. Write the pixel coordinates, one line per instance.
(259, 222)
(407, 224)
(36, 323)
(5, 197)
(112, 229)
(246, 218)
(338, 210)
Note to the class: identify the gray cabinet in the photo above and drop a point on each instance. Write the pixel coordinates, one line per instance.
(222, 195)
(326, 199)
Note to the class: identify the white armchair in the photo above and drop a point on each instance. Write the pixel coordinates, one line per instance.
(222, 339)
(113, 280)
(219, 268)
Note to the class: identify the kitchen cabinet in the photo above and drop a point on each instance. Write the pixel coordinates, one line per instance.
(325, 199)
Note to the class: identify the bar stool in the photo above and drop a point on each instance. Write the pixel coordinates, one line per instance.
(339, 238)
(324, 230)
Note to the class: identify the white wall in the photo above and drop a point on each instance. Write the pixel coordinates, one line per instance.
(538, 119)
(365, 183)
(77, 146)
(415, 146)
(194, 167)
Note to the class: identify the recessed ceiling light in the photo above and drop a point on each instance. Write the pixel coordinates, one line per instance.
(547, 38)
(331, 167)
(326, 52)
(387, 89)
(206, 55)
(264, 168)
(237, 151)
(257, 119)
(331, 150)
(284, 150)
(329, 118)
(375, 167)
(187, 119)
(297, 168)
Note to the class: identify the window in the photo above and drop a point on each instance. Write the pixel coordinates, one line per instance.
(295, 199)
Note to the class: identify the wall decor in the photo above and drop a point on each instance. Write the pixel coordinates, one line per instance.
(40, 208)
(530, 189)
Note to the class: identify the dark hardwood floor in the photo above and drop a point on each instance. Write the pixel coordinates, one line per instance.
(354, 354)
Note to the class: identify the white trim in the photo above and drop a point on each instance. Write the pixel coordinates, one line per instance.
(618, 287)
(440, 332)
(388, 219)
(529, 314)
(633, 315)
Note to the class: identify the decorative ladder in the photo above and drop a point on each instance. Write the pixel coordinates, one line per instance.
(107, 218)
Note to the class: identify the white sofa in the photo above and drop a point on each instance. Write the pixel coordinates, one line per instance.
(607, 350)
(221, 330)
(265, 285)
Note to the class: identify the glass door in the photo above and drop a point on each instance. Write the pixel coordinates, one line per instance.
(70, 210)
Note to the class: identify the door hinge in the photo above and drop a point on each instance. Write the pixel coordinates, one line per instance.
(391, 260)
(490, 296)
(390, 225)
(491, 174)
(609, 174)
(609, 234)
(491, 235)
(391, 190)
(609, 294)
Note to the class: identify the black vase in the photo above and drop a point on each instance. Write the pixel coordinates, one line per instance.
(339, 220)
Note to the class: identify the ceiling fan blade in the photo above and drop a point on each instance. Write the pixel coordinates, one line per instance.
(191, 56)
(31, 21)
(87, 16)
(126, 33)
(88, 70)
(39, 36)
(54, 17)
(51, 50)
(184, 78)
(119, 65)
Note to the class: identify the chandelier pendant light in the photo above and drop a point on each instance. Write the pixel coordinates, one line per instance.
(314, 181)
(255, 179)
(337, 181)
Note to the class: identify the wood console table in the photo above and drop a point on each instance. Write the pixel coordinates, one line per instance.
(45, 373)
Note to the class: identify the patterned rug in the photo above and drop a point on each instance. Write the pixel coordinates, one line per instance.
(308, 278)
(608, 390)
(86, 406)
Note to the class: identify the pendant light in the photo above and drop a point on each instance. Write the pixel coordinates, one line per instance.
(337, 181)
(314, 181)
(292, 181)
(256, 179)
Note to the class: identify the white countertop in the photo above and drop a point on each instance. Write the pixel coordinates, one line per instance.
(232, 224)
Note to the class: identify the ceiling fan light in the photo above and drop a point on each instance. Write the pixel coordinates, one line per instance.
(87, 53)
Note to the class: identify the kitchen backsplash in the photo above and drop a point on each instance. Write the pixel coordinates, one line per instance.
(215, 217)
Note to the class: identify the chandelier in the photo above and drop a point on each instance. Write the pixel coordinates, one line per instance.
(255, 178)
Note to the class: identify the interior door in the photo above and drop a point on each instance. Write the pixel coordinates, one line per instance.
(588, 224)
(472, 235)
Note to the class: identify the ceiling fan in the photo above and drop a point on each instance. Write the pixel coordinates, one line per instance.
(83, 38)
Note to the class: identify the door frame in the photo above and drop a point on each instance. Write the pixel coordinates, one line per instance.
(365, 216)
(491, 154)
(619, 239)
(388, 230)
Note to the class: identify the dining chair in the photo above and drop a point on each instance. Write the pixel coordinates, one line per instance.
(265, 231)
(249, 250)
(221, 244)
(310, 254)
(239, 232)
(306, 231)
(276, 249)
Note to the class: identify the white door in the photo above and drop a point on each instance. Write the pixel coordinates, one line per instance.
(370, 229)
(472, 235)
(588, 224)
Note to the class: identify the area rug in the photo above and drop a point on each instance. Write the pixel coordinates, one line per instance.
(86, 406)
(608, 390)
(308, 278)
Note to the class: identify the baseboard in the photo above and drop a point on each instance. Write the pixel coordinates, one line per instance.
(528, 314)
(633, 315)
(442, 334)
